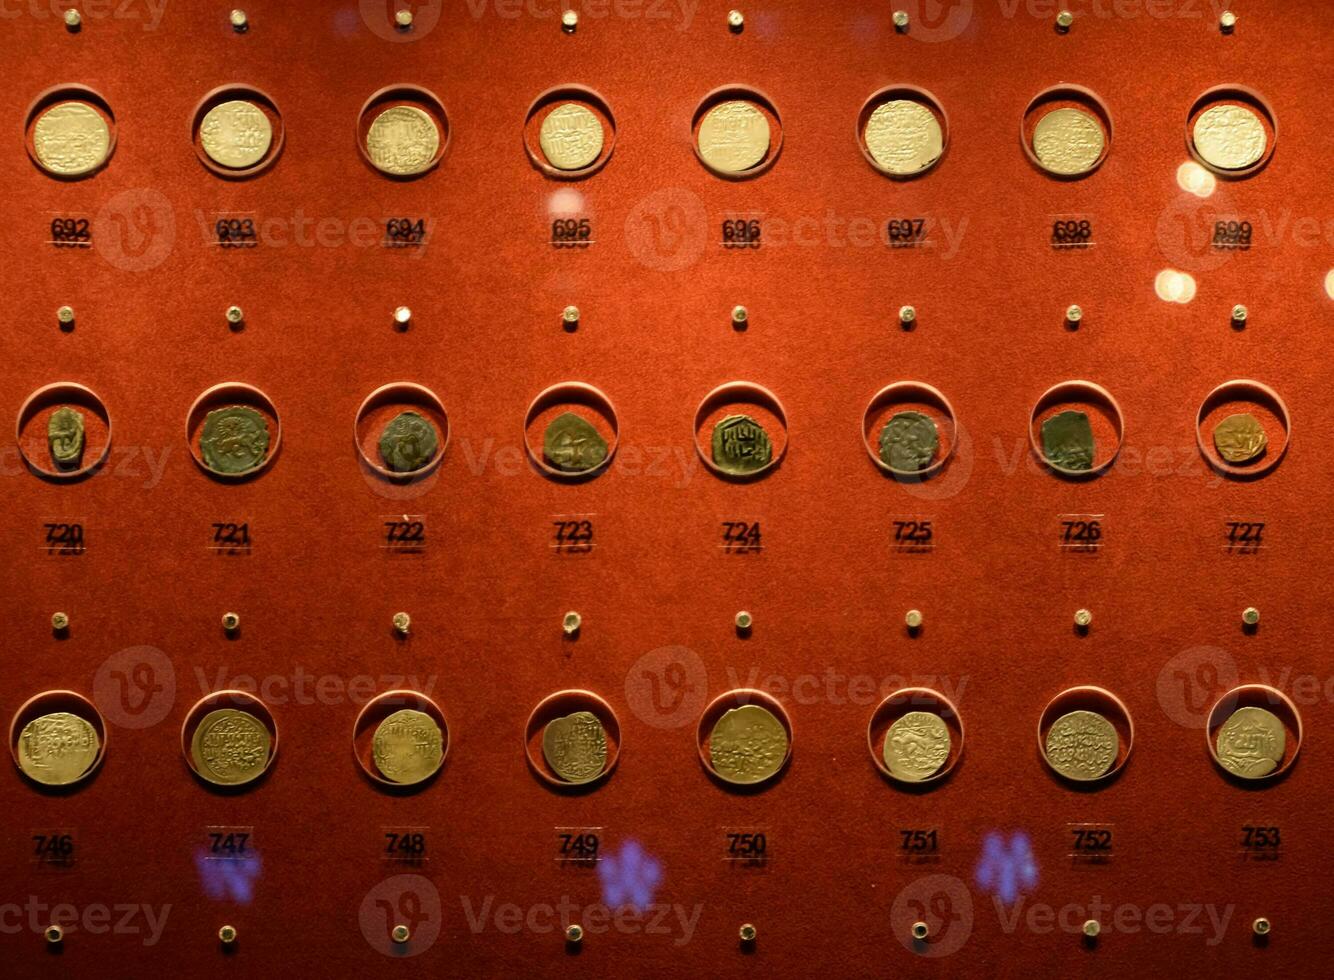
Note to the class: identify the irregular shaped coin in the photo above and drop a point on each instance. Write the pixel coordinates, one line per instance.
(916, 746)
(57, 749)
(1250, 744)
(740, 446)
(573, 445)
(909, 441)
(1067, 441)
(408, 442)
(408, 746)
(575, 747)
(748, 745)
(235, 440)
(1082, 745)
(1240, 438)
(64, 435)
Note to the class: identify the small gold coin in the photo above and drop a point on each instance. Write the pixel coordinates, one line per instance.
(571, 137)
(748, 745)
(904, 137)
(408, 746)
(1068, 141)
(402, 140)
(734, 137)
(236, 134)
(57, 749)
(1230, 137)
(916, 746)
(1082, 745)
(575, 747)
(1251, 743)
(1240, 438)
(71, 138)
(230, 747)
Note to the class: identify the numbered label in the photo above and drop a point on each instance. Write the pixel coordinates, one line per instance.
(747, 847)
(913, 535)
(54, 848)
(229, 843)
(1082, 534)
(1243, 537)
(1262, 841)
(405, 232)
(571, 233)
(71, 233)
(1091, 843)
(235, 233)
(919, 845)
(1071, 232)
(741, 537)
(1232, 236)
(63, 538)
(572, 534)
(742, 233)
(578, 845)
(405, 533)
(230, 538)
(404, 845)
(907, 232)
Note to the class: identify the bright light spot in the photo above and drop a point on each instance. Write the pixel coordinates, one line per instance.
(567, 200)
(1329, 284)
(1194, 179)
(1174, 287)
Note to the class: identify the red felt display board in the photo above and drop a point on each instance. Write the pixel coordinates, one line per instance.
(658, 593)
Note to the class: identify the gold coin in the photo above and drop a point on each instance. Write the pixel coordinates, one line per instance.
(1240, 438)
(575, 747)
(1251, 743)
(1068, 141)
(1230, 137)
(71, 138)
(403, 140)
(734, 137)
(236, 134)
(57, 749)
(571, 137)
(408, 746)
(1082, 745)
(748, 745)
(916, 746)
(230, 747)
(904, 137)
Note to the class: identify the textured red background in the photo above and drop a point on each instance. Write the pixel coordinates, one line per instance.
(828, 593)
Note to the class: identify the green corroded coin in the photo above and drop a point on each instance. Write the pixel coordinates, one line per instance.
(235, 440)
(1067, 441)
(64, 434)
(909, 442)
(408, 442)
(573, 445)
(741, 446)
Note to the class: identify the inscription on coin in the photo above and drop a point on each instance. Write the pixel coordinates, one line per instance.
(57, 749)
(230, 747)
(909, 441)
(575, 747)
(741, 446)
(236, 134)
(1251, 742)
(1067, 441)
(571, 137)
(1082, 745)
(408, 442)
(1068, 141)
(71, 138)
(64, 435)
(1229, 137)
(408, 746)
(573, 445)
(747, 745)
(235, 440)
(916, 746)
(1240, 438)
(402, 140)
(904, 137)
(734, 137)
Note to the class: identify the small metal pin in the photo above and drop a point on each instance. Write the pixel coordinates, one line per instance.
(740, 317)
(901, 21)
(1227, 22)
(913, 620)
(1261, 926)
(65, 317)
(1074, 315)
(569, 21)
(400, 934)
(403, 20)
(235, 315)
(231, 622)
(907, 317)
(1250, 616)
(735, 21)
(1064, 20)
(59, 622)
(402, 317)
(73, 22)
(54, 934)
(240, 24)
(571, 623)
(747, 933)
(227, 935)
(920, 931)
(1083, 619)
(574, 934)
(1239, 316)
(402, 623)
(570, 317)
(744, 621)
